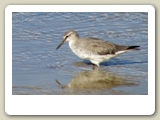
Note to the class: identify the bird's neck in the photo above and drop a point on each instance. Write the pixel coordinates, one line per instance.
(73, 43)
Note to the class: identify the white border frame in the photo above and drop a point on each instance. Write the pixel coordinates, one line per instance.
(80, 104)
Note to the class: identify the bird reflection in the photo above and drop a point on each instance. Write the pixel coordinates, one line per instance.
(97, 80)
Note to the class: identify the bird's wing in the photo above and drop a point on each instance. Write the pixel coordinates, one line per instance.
(100, 47)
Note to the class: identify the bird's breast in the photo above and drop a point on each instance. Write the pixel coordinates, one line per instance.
(80, 51)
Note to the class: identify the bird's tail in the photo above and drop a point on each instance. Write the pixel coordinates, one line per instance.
(126, 48)
(133, 48)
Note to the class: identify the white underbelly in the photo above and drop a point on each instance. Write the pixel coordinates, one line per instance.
(93, 57)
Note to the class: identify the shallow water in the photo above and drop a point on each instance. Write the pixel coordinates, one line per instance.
(39, 69)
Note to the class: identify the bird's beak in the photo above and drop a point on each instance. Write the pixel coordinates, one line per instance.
(61, 43)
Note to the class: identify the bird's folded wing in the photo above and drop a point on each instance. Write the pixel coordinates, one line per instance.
(100, 47)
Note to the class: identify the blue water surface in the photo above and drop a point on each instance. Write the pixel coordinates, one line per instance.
(36, 64)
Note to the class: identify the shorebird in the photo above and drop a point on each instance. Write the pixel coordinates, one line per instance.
(94, 49)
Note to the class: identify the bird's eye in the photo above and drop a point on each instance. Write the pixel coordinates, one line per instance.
(67, 36)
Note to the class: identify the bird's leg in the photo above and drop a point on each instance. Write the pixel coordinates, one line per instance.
(93, 66)
(98, 67)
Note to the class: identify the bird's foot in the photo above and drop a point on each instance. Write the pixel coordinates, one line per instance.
(93, 66)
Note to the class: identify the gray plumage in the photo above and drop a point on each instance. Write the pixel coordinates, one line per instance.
(94, 49)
